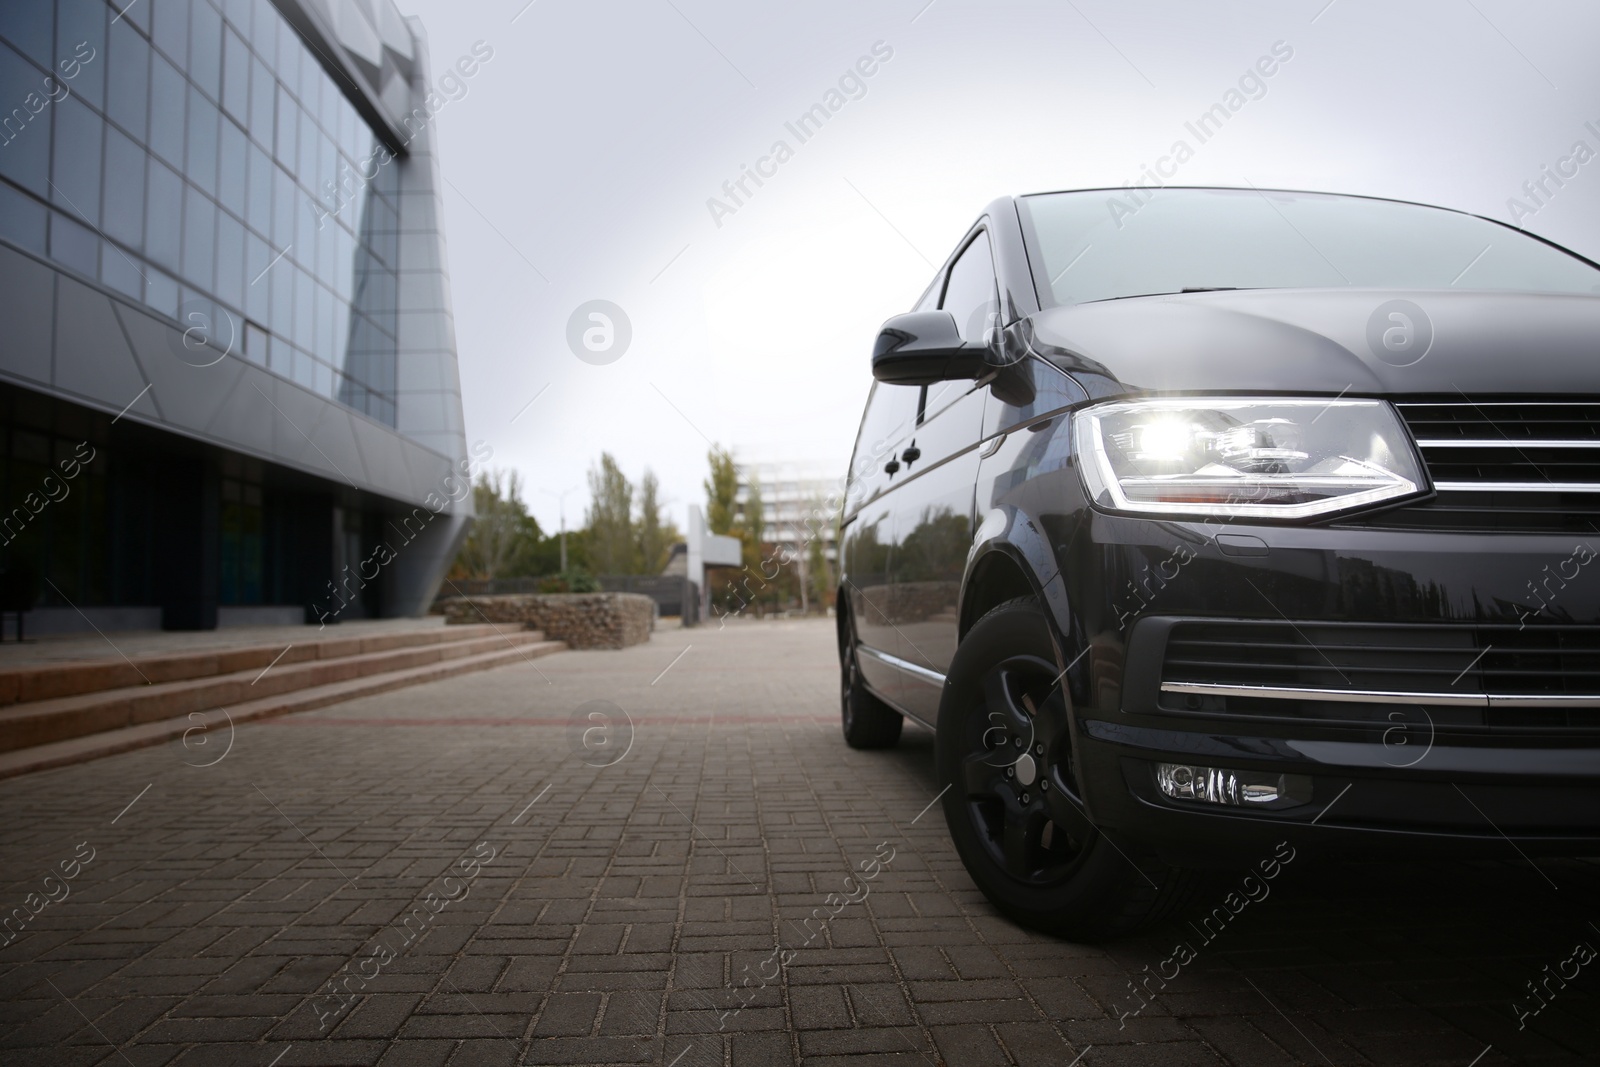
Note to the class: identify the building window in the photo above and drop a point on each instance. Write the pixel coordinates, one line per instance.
(207, 205)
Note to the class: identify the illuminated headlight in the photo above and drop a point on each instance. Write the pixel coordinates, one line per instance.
(1244, 789)
(1243, 457)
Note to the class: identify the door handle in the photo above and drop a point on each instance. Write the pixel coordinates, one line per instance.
(911, 455)
(891, 467)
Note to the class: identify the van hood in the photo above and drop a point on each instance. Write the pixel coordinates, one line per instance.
(1361, 342)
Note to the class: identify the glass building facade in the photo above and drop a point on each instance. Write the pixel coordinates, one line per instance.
(197, 157)
(214, 410)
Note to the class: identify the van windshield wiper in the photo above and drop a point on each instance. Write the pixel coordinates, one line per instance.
(1185, 289)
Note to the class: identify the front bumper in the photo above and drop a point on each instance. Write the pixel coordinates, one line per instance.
(1424, 762)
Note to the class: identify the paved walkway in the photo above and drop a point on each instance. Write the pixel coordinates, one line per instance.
(590, 859)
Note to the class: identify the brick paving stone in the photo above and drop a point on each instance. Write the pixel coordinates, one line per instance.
(614, 913)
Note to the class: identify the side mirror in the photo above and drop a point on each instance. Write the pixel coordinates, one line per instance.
(923, 347)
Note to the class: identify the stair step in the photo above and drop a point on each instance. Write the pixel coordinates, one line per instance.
(47, 721)
(49, 681)
(110, 742)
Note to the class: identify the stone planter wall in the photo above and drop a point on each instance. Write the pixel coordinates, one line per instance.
(582, 620)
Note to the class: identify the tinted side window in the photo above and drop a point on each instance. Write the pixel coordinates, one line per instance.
(891, 414)
(970, 294)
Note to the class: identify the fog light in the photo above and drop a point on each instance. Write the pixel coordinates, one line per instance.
(1218, 785)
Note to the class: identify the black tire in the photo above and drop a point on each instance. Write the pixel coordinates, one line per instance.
(868, 722)
(1016, 819)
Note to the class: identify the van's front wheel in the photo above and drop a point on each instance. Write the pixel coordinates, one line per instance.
(1004, 754)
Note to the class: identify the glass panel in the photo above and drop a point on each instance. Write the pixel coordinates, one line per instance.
(327, 233)
(324, 324)
(259, 209)
(281, 277)
(305, 370)
(136, 13)
(123, 218)
(119, 272)
(81, 48)
(304, 311)
(282, 358)
(22, 219)
(283, 144)
(288, 54)
(167, 95)
(129, 72)
(27, 26)
(305, 227)
(163, 229)
(326, 184)
(235, 76)
(230, 260)
(202, 156)
(311, 78)
(232, 166)
(76, 170)
(205, 48)
(283, 201)
(74, 245)
(344, 255)
(263, 97)
(238, 13)
(161, 293)
(24, 130)
(258, 289)
(170, 28)
(264, 33)
(305, 167)
(255, 344)
(199, 237)
(387, 180)
(969, 294)
(341, 333)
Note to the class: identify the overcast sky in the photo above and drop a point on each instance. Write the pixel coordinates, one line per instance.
(581, 160)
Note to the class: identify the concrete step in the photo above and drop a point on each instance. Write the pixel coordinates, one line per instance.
(49, 681)
(110, 742)
(44, 722)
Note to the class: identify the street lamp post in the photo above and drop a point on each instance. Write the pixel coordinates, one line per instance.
(561, 497)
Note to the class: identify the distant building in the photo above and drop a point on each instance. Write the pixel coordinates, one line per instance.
(228, 386)
(795, 498)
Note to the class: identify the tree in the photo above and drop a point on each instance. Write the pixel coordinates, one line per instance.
(656, 536)
(760, 569)
(505, 540)
(817, 574)
(610, 518)
(721, 488)
(753, 521)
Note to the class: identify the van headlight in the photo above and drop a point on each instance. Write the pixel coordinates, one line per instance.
(1245, 457)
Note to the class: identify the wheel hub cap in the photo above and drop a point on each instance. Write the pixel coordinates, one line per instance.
(1026, 771)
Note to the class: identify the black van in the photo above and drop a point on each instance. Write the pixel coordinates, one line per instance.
(1199, 520)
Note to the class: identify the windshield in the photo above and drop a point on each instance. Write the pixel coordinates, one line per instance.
(1099, 245)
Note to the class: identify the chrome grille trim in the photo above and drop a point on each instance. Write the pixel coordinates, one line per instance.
(1387, 696)
(1519, 487)
(1506, 464)
(1502, 442)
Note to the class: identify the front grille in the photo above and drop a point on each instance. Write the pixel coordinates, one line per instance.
(1507, 464)
(1484, 675)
